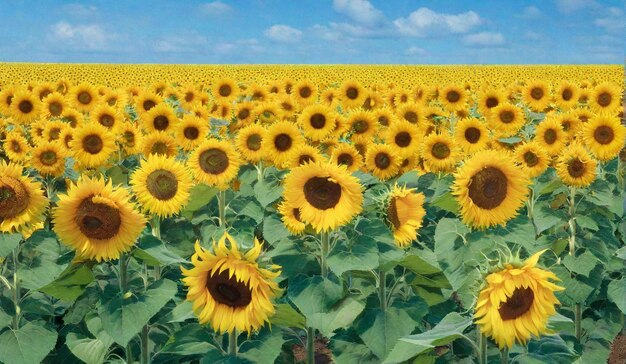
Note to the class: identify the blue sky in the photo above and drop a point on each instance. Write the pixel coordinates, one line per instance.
(314, 31)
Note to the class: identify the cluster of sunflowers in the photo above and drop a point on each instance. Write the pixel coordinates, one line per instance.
(492, 140)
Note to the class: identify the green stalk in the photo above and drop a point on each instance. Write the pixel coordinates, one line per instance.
(260, 172)
(325, 238)
(482, 346)
(16, 290)
(145, 355)
(123, 266)
(232, 343)
(221, 201)
(310, 346)
(504, 356)
(572, 252)
(156, 232)
(382, 295)
(578, 317)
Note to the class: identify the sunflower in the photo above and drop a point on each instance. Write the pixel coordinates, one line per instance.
(48, 159)
(53, 106)
(92, 145)
(214, 162)
(160, 118)
(550, 136)
(575, 167)
(188, 95)
(16, 147)
(6, 99)
(291, 218)
(347, 155)
(410, 112)
(83, 97)
(516, 302)
(67, 135)
(304, 154)
(286, 104)
(570, 123)
(488, 100)
(471, 135)
(327, 195)
(506, 119)
(439, 152)
(403, 137)
(73, 117)
(114, 98)
(282, 139)
(606, 97)
(225, 89)
(604, 136)
(352, 95)
(566, 95)
(362, 124)
(257, 92)
(43, 90)
(107, 116)
(161, 185)
(329, 97)
(268, 112)
(382, 161)
(453, 98)
(533, 158)
(489, 189)
(249, 142)
(405, 211)
(536, 95)
(318, 122)
(244, 112)
(158, 143)
(228, 289)
(191, 131)
(22, 202)
(25, 107)
(146, 100)
(97, 220)
(130, 138)
(384, 116)
(305, 92)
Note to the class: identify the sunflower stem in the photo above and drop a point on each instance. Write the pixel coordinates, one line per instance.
(16, 290)
(482, 348)
(156, 232)
(572, 224)
(260, 172)
(578, 316)
(325, 238)
(122, 274)
(145, 355)
(221, 201)
(232, 343)
(382, 295)
(310, 346)
(504, 356)
(129, 353)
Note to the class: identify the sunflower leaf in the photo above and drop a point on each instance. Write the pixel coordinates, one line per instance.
(199, 196)
(70, 284)
(8, 242)
(617, 293)
(380, 330)
(30, 343)
(43, 260)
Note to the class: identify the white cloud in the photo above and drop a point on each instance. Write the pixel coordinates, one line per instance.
(570, 6)
(326, 33)
(424, 22)
(531, 12)
(361, 11)
(483, 39)
(215, 8)
(416, 51)
(89, 35)
(530, 35)
(283, 33)
(180, 43)
(614, 21)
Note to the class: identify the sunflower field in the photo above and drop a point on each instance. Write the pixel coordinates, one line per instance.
(312, 214)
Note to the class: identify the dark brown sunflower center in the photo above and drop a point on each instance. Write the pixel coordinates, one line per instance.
(566, 125)
(305, 92)
(227, 290)
(536, 93)
(112, 101)
(518, 304)
(345, 159)
(296, 214)
(54, 133)
(161, 122)
(411, 117)
(9, 99)
(283, 142)
(603, 134)
(550, 136)
(84, 97)
(305, 158)
(604, 99)
(392, 213)
(488, 188)
(214, 161)
(225, 90)
(575, 168)
(403, 139)
(44, 93)
(162, 184)
(567, 94)
(254, 142)
(491, 102)
(507, 116)
(382, 160)
(191, 133)
(352, 93)
(383, 120)
(48, 158)
(322, 193)
(318, 121)
(15, 146)
(440, 150)
(25, 106)
(159, 148)
(472, 135)
(93, 144)
(189, 96)
(13, 197)
(148, 104)
(286, 106)
(453, 96)
(106, 120)
(97, 220)
(243, 114)
(129, 137)
(360, 126)
(530, 159)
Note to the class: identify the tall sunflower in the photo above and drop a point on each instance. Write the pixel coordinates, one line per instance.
(604, 136)
(489, 189)
(97, 220)
(327, 195)
(228, 289)
(22, 202)
(214, 162)
(92, 145)
(575, 167)
(516, 302)
(405, 211)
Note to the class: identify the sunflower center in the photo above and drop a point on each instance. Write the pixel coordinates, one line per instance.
(604, 99)
(566, 124)
(191, 133)
(84, 97)
(491, 102)
(345, 159)
(575, 168)
(54, 133)
(55, 109)
(530, 159)
(322, 193)
(148, 104)
(603, 134)
(352, 93)
(161, 122)
(162, 184)
(283, 142)
(286, 106)
(411, 117)
(536, 93)
(507, 116)
(243, 114)
(403, 139)
(488, 188)
(92, 144)
(550, 136)
(106, 120)
(305, 91)
(13, 197)
(225, 289)
(360, 126)
(254, 142)
(472, 135)
(25, 106)
(130, 138)
(189, 96)
(383, 120)
(15, 146)
(159, 148)
(567, 94)
(44, 93)
(98, 220)
(440, 150)
(318, 121)
(382, 160)
(518, 304)
(392, 214)
(214, 161)
(225, 90)
(48, 158)
(305, 158)
(453, 96)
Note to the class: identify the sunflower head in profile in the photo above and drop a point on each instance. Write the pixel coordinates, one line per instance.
(604, 136)
(161, 185)
(575, 167)
(48, 159)
(228, 289)
(605, 97)
(537, 95)
(347, 155)
(214, 162)
(382, 161)
(97, 220)
(327, 195)
(317, 121)
(533, 159)
(92, 145)
(489, 189)
(22, 202)
(405, 211)
(516, 302)
(291, 218)
(25, 107)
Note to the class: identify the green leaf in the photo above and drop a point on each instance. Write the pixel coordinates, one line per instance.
(548, 349)
(582, 264)
(154, 252)
(586, 222)
(264, 350)
(510, 140)
(340, 316)
(617, 293)
(43, 259)
(199, 196)
(8, 242)
(248, 207)
(354, 254)
(28, 344)
(70, 284)
(287, 316)
(446, 202)
(123, 318)
(345, 352)
(380, 330)
(191, 339)
(267, 192)
(545, 217)
(118, 175)
(576, 291)
(421, 262)
(558, 322)
(91, 351)
(449, 329)
(274, 230)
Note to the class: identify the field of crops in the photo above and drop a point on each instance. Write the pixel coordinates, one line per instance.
(312, 214)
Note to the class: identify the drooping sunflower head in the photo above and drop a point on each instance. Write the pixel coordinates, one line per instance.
(471, 135)
(604, 136)
(405, 211)
(537, 95)
(317, 121)
(533, 159)
(214, 162)
(489, 189)
(228, 289)
(575, 167)
(346, 154)
(327, 195)
(605, 97)
(22, 202)
(516, 302)
(382, 161)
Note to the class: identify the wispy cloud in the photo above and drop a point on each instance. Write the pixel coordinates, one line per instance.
(570, 6)
(92, 36)
(283, 33)
(215, 8)
(361, 11)
(613, 22)
(415, 51)
(530, 12)
(424, 23)
(483, 39)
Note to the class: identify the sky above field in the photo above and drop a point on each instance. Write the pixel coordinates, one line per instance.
(314, 31)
